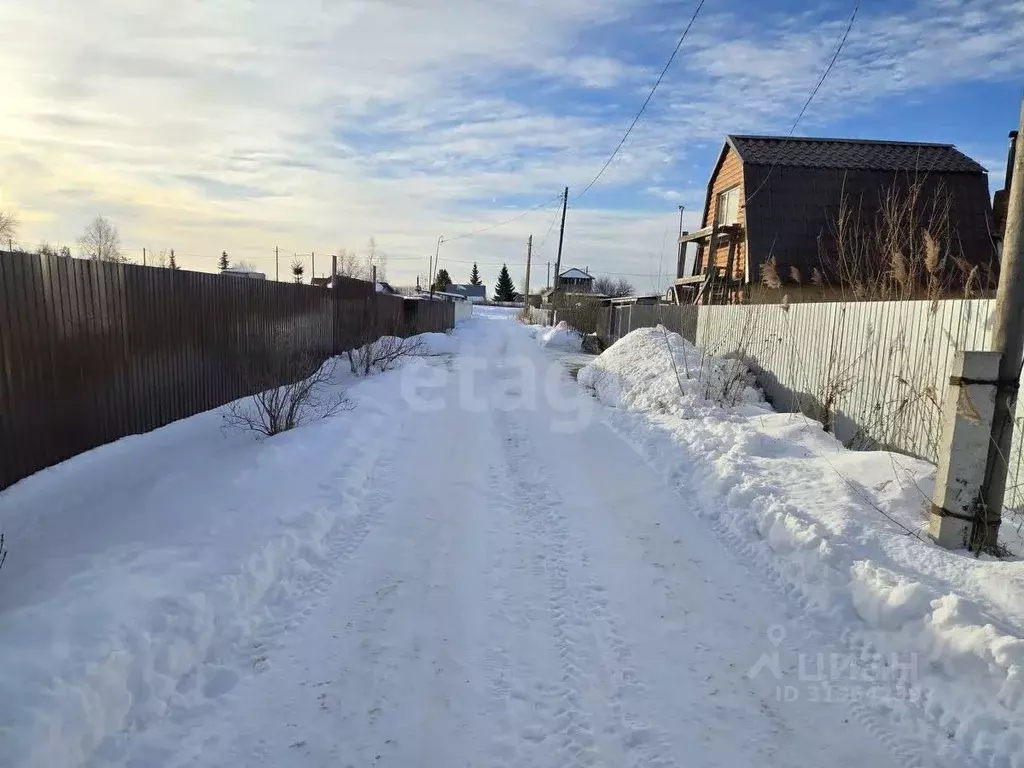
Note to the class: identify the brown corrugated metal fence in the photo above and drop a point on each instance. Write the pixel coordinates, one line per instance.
(91, 352)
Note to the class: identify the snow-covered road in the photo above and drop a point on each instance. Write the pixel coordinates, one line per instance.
(515, 587)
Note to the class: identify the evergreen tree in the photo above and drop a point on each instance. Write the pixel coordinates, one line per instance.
(297, 269)
(441, 280)
(172, 263)
(223, 260)
(474, 276)
(506, 289)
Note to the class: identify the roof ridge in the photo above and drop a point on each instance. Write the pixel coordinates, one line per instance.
(823, 139)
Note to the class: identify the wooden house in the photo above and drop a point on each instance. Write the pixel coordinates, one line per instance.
(776, 201)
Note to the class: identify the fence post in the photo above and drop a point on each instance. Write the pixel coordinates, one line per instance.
(957, 501)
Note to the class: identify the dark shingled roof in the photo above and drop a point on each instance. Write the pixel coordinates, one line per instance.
(852, 154)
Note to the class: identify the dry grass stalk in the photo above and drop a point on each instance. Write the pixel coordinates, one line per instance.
(770, 273)
(902, 247)
(973, 285)
(794, 275)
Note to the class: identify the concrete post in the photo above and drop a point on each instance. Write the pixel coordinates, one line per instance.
(1007, 338)
(957, 501)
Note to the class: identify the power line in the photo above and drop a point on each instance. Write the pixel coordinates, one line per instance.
(500, 223)
(814, 92)
(551, 228)
(646, 102)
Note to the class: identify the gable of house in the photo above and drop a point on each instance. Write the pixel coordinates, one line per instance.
(725, 203)
(575, 274)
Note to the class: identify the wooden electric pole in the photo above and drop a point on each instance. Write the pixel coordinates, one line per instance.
(529, 256)
(437, 255)
(1007, 339)
(561, 237)
(548, 283)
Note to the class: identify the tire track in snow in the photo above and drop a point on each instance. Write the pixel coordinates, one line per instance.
(586, 633)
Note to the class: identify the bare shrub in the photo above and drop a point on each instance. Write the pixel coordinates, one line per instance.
(583, 313)
(383, 354)
(293, 387)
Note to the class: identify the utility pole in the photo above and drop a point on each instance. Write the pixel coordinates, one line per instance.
(143, 257)
(561, 237)
(277, 264)
(375, 274)
(548, 283)
(529, 256)
(334, 271)
(437, 254)
(680, 248)
(1007, 339)
(312, 267)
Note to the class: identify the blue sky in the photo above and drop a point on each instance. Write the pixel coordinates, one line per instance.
(315, 125)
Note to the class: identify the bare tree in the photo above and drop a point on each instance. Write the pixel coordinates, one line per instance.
(351, 264)
(100, 241)
(614, 288)
(376, 258)
(293, 388)
(8, 227)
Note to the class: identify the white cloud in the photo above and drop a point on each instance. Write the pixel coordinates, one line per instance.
(311, 125)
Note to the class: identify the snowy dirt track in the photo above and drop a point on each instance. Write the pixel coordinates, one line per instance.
(512, 586)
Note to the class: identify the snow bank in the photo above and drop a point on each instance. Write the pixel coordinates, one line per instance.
(655, 370)
(147, 574)
(841, 531)
(437, 343)
(562, 337)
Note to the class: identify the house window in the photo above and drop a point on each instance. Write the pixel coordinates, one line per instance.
(727, 207)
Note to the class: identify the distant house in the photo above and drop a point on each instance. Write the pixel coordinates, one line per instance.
(773, 206)
(572, 281)
(320, 282)
(575, 281)
(474, 293)
(244, 272)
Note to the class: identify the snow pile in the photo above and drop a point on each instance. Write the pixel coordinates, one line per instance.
(436, 344)
(145, 574)
(562, 337)
(656, 370)
(843, 531)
